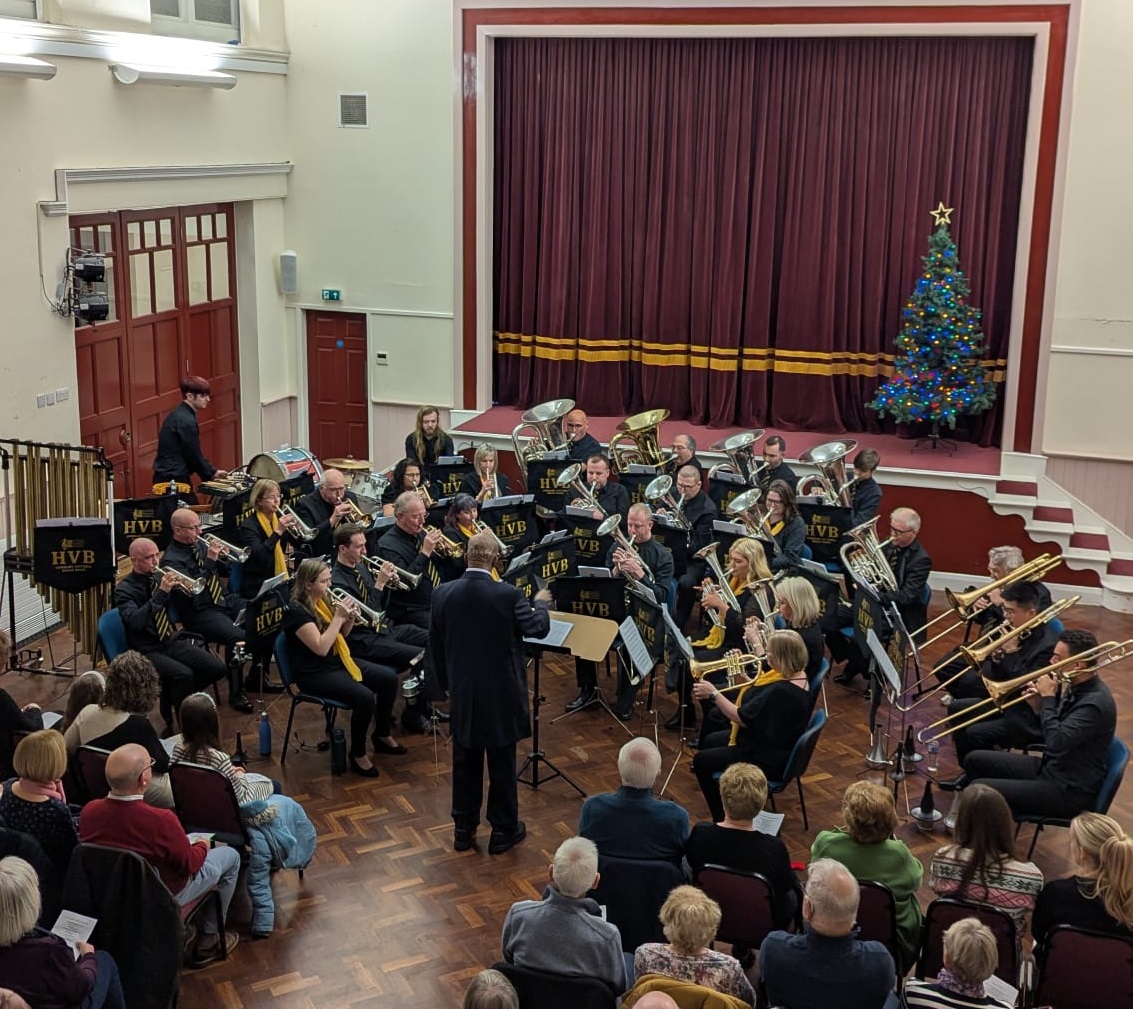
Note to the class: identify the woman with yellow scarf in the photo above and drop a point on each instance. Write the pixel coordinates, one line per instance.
(266, 536)
(322, 665)
(766, 720)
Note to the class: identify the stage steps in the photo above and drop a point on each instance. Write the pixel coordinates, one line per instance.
(1050, 513)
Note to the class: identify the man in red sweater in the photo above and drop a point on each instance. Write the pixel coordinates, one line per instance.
(124, 820)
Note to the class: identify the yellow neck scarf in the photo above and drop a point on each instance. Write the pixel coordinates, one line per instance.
(340, 647)
(777, 528)
(715, 636)
(269, 528)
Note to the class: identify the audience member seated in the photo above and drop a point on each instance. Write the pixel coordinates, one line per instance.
(188, 868)
(649, 1000)
(827, 964)
(40, 967)
(1099, 895)
(279, 829)
(564, 933)
(866, 846)
(689, 918)
(87, 689)
(734, 842)
(631, 823)
(35, 801)
(490, 990)
(970, 958)
(13, 718)
(122, 716)
(981, 865)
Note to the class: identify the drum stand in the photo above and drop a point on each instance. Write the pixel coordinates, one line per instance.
(536, 755)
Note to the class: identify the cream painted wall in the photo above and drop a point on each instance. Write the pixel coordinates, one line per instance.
(1087, 406)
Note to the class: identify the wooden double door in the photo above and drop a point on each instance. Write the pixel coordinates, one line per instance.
(171, 285)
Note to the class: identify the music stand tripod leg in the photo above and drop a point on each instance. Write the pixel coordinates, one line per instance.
(535, 755)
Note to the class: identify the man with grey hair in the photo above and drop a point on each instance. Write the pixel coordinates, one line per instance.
(189, 867)
(684, 451)
(410, 548)
(802, 970)
(564, 932)
(631, 823)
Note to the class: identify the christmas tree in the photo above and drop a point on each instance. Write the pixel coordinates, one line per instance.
(939, 372)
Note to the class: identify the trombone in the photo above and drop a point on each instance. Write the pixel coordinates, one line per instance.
(991, 641)
(963, 605)
(363, 614)
(228, 552)
(1091, 659)
(659, 494)
(569, 477)
(723, 586)
(181, 581)
(401, 580)
(302, 530)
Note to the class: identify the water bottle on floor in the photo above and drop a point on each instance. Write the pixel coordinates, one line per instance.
(265, 735)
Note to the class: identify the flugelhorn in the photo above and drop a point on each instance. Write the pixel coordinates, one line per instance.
(228, 552)
(181, 581)
(733, 662)
(1089, 660)
(569, 478)
(357, 516)
(363, 614)
(302, 530)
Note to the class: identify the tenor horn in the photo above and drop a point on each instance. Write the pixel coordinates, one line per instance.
(723, 587)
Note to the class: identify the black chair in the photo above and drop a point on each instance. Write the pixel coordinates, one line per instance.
(633, 890)
(877, 916)
(206, 803)
(816, 684)
(330, 707)
(946, 911)
(745, 900)
(539, 989)
(798, 762)
(1081, 969)
(1116, 762)
(91, 764)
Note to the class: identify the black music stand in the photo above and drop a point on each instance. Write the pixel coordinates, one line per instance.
(444, 477)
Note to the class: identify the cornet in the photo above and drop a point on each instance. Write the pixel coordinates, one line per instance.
(424, 495)
(364, 616)
(181, 581)
(723, 585)
(483, 527)
(444, 546)
(228, 552)
(357, 516)
(302, 530)
(401, 580)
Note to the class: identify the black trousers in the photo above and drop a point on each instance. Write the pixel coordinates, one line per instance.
(369, 700)
(216, 627)
(1018, 778)
(468, 786)
(397, 648)
(1016, 728)
(716, 755)
(183, 668)
(687, 586)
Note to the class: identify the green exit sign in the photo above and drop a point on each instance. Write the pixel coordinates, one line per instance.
(332, 294)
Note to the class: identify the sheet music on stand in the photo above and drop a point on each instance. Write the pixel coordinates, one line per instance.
(555, 636)
(675, 633)
(819, 571)
(635, 646)
(517, 562)
(272, 584)
(891, 679)
(586, 571)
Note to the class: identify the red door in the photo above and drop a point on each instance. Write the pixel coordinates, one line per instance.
(173, 311)
(336, 385)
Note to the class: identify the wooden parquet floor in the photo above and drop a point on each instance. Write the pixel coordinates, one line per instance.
(388, 914)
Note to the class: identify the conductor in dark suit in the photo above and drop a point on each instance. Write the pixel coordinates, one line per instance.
(476, 648)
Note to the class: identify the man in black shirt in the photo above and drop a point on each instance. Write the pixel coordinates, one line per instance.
(209, 613)
(143, 601)
(407, 548)
(684, 452)
(179, 453)
(428, 441)
(700, 512)
(774, 449)
(612, 497)
(324, 509)
(581, 445)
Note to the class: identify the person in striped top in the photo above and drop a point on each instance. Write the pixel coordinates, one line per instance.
(970, 958)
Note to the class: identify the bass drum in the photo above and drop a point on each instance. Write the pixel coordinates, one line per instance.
(284, 463)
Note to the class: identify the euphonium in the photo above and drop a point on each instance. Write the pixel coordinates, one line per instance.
(182, 582)
(228, 552)
(865, 559)
(363, 614)
(302, 530)
(659, 494)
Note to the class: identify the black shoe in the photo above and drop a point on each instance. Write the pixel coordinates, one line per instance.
(463, 838)
(689, 719)
(846, 677)
(500, 842)
(953, 784)
(365, 772)
(583, 700)
(239, 701)
(625, 716)
(383, 747)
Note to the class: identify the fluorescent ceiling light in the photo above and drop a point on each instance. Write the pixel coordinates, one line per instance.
(136, 73)
(26, 66)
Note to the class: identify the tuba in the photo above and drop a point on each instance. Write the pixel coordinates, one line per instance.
(544, 420)
(741, 456)
(830, 481)
(659, 493)
(637, 439)
(569, 477)
(864, 558)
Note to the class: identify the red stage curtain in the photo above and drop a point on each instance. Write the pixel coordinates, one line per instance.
(729, 228)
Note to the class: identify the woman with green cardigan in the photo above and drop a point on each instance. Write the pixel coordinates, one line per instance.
(866, 846)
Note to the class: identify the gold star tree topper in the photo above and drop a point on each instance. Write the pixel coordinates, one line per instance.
(942, 214)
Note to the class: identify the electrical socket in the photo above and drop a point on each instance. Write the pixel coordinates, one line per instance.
(51, 398)
(382, 358)
(62, 395)
(41, 400)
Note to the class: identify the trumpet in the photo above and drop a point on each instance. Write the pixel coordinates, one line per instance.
(444, 546)
(483, 527)
(723, 586)
(302, 530)
(492, 489)
(985, 646)
(424, 495)
(228, 552)
(181, 581)
(569, 477)
(659, 493)
(364, 616)
(1064, 669)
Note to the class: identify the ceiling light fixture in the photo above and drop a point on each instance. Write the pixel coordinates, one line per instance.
(27, 66)
(135, 73)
